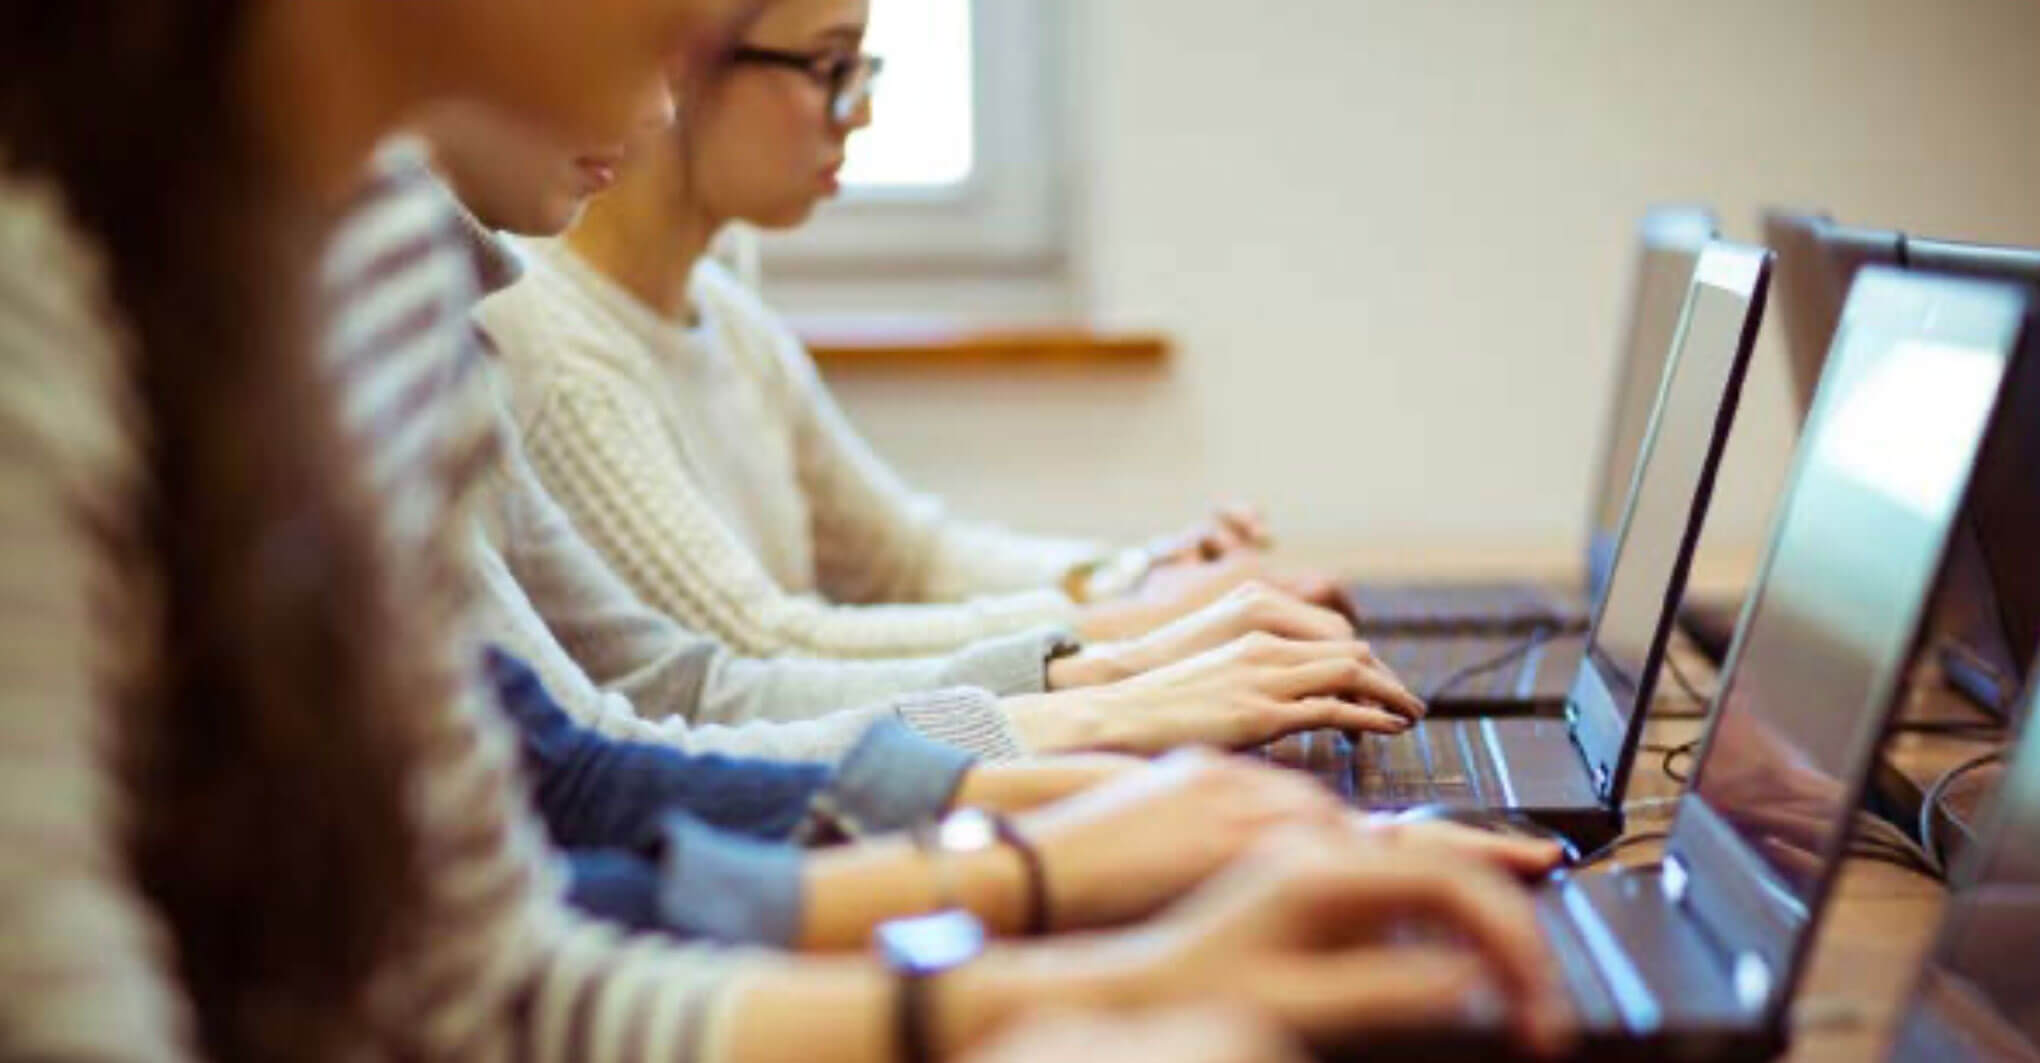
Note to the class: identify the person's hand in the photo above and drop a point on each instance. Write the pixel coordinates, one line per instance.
(1037, 781)
(1205, 1034)
(1248, 608)
(1229, 530)
(1121, 851)
(1246, 693)
(1525, 858)
(1323, 931)
(1175, 591)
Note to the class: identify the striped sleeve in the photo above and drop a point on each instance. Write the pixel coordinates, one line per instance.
(508, 971)
(83, 968)
(503, 969)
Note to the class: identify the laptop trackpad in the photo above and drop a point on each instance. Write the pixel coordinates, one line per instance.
(1544, 768)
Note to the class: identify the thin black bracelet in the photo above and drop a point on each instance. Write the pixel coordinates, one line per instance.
(912, 1018)
(1038, 916)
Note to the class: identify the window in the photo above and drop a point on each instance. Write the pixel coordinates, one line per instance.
(961, 168)
(924, 134)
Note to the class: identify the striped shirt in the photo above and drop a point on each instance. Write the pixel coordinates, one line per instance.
(506, 970)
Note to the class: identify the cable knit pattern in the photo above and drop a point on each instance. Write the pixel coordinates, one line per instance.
(714, 472)
(550, 591)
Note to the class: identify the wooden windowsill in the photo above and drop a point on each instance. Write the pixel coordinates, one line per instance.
(907, 344)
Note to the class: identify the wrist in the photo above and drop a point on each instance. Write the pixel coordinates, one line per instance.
(1092, 974)
(1053, 723)
(1093, 666)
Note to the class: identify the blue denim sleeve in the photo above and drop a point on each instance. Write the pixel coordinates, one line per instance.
(620, 887)
(891, 780)
(702, 884)
(598, 793)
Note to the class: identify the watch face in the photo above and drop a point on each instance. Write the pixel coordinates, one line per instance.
(969, 830)
(931, 944)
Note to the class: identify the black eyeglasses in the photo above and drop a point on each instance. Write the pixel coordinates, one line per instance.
(849, 78)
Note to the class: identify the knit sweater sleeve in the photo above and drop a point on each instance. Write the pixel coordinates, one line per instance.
(83, 969)
(968, 718)
(876, 538)
(600, 449)
(665, 669)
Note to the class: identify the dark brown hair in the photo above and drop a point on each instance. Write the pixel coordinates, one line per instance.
(264, 752)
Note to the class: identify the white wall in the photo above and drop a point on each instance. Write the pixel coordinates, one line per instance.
(1392, 238)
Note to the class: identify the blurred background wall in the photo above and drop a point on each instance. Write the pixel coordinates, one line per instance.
(1391, 241)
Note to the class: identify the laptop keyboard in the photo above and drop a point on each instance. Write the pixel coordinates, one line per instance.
(1430, 763)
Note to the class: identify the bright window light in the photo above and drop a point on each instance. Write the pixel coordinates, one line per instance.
(923, 132)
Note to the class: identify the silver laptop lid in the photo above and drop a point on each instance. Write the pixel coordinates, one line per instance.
(1978, 996)
(1666, 505)
(1826, 636)
(1668, 252)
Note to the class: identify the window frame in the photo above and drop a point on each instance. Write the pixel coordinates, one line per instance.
(1009, 214)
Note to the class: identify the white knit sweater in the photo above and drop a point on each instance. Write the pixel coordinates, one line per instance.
(712, 469)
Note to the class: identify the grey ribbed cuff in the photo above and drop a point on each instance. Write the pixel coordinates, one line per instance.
(891, 780)
(1014, 664)
(964, 717)
(727, 888)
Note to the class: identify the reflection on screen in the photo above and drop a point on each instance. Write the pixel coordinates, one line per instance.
(1883, 466)
(1633, 608)
(1980, 996)
(1660, 297)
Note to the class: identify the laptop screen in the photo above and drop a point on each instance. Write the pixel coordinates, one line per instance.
(1664, 501)
(1987, 606)
(1672, 240)
(1992, 608)
(1979, 993)
(1856, 547)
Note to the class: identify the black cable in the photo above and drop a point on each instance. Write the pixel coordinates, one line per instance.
(1687, 686)
(1876, 839)
(1501, 660)
(1930, 802)
(1608, 851)
(1956, 728)
(1672, 755)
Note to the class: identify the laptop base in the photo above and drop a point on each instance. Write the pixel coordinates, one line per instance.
(1645, 982)
(1489, 674)
(1463, 608)
(1491, 771)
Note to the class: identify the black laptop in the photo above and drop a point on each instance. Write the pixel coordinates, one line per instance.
(1570, 772)
(1478, 621)
(1698, 957)
(1978, 993)
(1976, 624)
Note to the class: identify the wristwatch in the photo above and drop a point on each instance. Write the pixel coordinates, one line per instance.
(917, 950)
(968, 831)
(1108, 577)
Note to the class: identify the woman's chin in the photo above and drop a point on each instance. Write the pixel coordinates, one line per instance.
(790, 216)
